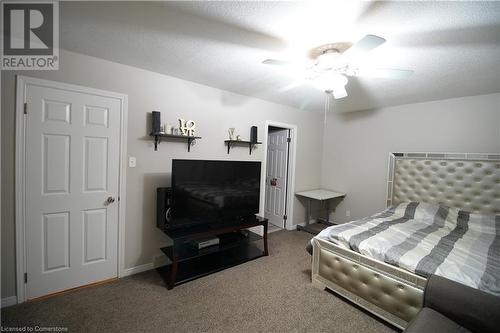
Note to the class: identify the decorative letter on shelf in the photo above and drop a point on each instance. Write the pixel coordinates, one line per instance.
(187, 127)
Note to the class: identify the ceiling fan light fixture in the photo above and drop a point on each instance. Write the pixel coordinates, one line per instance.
(328, 59)
(339, 93)
(330, 82)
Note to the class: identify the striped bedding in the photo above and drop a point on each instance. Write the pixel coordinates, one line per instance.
(429, 239)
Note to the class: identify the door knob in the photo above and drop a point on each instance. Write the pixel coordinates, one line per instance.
(110, 200)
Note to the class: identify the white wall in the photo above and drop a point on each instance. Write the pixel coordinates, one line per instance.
(356, 145)
(214, 111)
(354, 150)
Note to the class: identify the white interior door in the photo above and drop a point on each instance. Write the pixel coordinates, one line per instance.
(72, 168)
(276, 176)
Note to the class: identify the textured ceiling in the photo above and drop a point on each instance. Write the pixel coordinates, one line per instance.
(453, 47)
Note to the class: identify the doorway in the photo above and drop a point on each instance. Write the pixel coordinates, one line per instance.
(70, 177)
(278, 166)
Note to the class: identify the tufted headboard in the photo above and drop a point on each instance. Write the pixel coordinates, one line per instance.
(467, 181)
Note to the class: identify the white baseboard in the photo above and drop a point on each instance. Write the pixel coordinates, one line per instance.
(273, 229)
(137, 269)
(158, 261)
(9, 301)
(294, 226)
(311, 221)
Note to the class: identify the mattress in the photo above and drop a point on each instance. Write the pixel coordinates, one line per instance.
(429, 239)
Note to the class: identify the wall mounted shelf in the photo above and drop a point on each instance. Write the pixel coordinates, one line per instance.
(158, 136)
(251, 145)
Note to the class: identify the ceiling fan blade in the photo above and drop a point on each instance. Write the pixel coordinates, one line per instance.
(367, 43)
(276, 62)
(291, 86)
(384, 73)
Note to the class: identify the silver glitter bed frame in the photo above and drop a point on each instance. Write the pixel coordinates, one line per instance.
(466, 181)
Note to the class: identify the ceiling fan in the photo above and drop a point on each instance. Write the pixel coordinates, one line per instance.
(328, 65)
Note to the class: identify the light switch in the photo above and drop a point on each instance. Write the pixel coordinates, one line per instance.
(132, 162)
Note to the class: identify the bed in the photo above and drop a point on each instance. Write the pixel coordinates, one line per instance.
(442, 217)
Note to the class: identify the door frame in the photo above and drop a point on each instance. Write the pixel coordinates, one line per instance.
(290, 186)
(20, 172)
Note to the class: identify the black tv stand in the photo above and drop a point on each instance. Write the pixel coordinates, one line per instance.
(186, 263)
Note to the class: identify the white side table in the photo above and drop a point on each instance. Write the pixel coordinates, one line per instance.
(322, 195)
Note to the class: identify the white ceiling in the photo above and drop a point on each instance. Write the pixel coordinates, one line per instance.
(453, 47)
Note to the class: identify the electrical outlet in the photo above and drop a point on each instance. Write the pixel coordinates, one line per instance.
(348, 213)
(132, 162)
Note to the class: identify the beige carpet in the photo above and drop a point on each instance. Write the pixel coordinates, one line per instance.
(270, 294)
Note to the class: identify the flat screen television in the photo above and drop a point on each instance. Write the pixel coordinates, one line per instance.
(214, 192)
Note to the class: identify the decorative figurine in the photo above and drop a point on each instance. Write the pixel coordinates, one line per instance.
(187, 127)
(167, 128)
(231, 133)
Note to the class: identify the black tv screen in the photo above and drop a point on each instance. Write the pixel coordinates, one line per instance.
(212, 192)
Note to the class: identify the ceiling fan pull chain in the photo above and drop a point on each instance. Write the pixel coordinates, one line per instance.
(327, 107)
